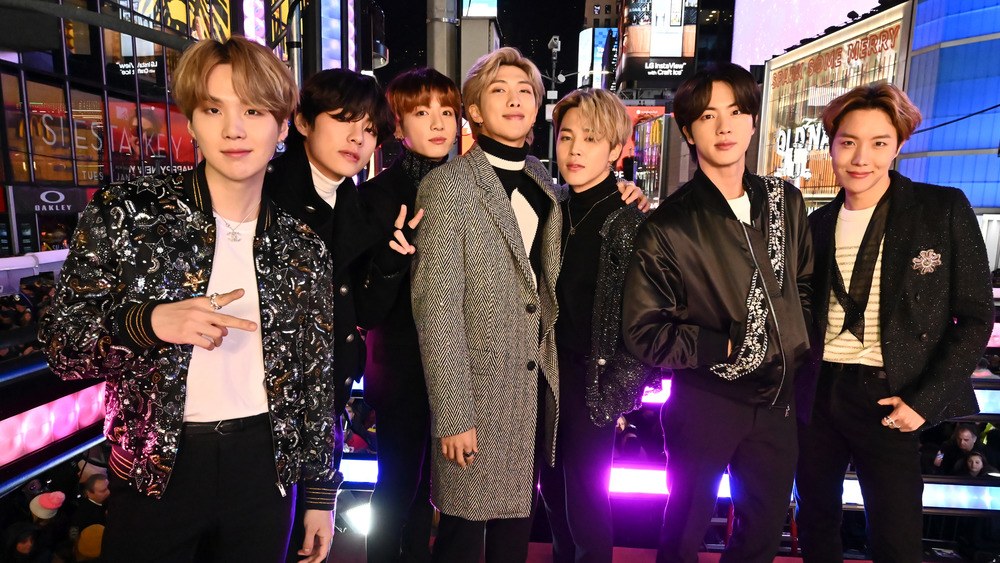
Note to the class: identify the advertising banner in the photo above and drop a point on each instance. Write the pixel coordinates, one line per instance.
(658, 42)
(799, 84)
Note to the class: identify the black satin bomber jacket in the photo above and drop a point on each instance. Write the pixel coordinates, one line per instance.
(686, 292)
(152, 241)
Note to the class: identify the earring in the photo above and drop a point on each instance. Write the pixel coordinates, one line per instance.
(281, 146)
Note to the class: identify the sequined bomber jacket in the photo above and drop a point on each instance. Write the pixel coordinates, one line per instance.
(152, 241)
(615, 378)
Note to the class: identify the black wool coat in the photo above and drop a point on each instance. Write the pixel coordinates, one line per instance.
(348, 234)
(934, 325)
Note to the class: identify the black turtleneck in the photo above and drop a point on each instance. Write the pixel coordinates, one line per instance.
(581, 255)
(416, 166)
(520, 181)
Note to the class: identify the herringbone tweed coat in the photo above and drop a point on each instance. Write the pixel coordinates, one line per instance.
(479, 317)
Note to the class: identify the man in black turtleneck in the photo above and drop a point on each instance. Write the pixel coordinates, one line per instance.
(483, 296)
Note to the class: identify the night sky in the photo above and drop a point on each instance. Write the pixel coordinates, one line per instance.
(525, 24)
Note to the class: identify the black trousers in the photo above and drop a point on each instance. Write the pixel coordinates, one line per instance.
(462, 541)
(401, 506)
(703, 433)
(221, 504)
(575, 491)
(847, 422)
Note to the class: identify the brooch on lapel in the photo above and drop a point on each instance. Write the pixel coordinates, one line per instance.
(927, 261)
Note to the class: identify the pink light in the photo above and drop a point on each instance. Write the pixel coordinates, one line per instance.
(636, 481)
(34, 429)
(11, 442)
(65, 416)
(653, 397)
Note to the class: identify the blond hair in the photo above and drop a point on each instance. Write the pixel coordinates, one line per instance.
(603, 112)
(259, 78)
(485, 71)
(904, 116)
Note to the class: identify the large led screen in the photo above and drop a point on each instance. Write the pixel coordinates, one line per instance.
(765, 28)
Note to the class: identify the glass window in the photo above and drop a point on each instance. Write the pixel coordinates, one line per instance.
(153, 139)
(607, 8)
(83, 48)
(51, 136)
(123, 133)
(182, 146)
(597, 9)
(607, 22)
(89, 137)
(119, 52)
(17, 142)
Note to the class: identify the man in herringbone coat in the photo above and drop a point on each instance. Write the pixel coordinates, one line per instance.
(484, 302)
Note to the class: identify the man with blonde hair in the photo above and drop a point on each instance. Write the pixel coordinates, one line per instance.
(483, 296)
(207, 310)
(598, 379)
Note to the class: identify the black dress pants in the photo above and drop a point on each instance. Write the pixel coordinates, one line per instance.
(846, 422)
(221, 504)
(575, 491)
(703, 433)
(401, 506)
(462, 541)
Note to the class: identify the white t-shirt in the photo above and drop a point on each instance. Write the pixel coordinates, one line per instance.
(228, 382)
(741, 207)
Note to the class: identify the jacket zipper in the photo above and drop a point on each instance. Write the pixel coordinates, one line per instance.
(777, 329)
(281, 488)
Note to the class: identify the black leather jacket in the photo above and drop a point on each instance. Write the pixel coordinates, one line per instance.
(689, 290)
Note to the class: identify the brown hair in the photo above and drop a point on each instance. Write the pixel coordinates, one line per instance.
(259, 78)
(418, 87)
(695, 93)
(485, 71)
(602, 111)
(904, 116)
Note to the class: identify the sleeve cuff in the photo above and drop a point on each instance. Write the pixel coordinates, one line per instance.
(321, 496)
(133, 325)
(713, 347)
(390, 264)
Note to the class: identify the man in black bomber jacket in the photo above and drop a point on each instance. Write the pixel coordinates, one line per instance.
(717, 291)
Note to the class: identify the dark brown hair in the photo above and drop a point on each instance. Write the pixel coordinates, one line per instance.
(418, 87)
(354, 95)
(695, 93)
(904, 116)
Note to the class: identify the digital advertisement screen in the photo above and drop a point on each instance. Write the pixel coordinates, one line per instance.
(765, 28)
(479, 8)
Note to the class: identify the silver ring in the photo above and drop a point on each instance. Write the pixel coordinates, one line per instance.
(890, 422)
(211, 301)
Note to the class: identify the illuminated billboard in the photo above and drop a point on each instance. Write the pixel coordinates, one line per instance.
(597, 57)
(658, 42)
(799, 84)
(479, 8)
(765, 28)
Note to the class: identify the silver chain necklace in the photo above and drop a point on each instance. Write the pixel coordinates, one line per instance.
(233, 235)
(569, 212)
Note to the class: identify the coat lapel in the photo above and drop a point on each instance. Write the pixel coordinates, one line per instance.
(899, 230)
(824, 230)
(552, 246)
(498, 206)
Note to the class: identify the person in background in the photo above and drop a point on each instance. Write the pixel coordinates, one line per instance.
(91, 509)
(598, 379)
(427, 108)
(717, 291)
(207, 310)
(884, 366)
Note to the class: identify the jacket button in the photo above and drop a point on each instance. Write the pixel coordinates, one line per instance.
(350, 337)
(344, 290)
(601, 362)
(310, 209)
(923, 337)
(530, 307)
(531, 365)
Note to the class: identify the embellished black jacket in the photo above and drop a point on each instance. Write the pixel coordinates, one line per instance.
(152, 241)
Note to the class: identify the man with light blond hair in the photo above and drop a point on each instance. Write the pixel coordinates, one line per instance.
(207, 309)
